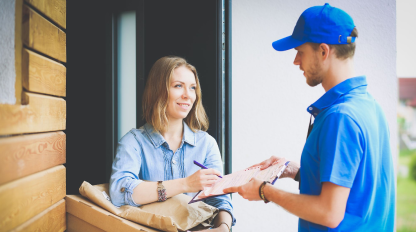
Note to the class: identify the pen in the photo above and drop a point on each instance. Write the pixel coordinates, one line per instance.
(202, 166)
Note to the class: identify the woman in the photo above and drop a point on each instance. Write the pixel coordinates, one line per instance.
(163, 150)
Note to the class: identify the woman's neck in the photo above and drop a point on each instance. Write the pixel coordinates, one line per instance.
(174, 130)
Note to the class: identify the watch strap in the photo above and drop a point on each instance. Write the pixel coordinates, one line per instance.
(161, 191)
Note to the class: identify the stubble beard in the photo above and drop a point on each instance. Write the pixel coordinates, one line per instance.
(313, 76)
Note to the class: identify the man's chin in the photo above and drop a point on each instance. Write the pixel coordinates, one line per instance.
(312, 83)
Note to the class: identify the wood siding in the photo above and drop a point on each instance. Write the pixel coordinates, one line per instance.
(51, 219)
(43, 75)
(42, 113)
(53, 9)
(41, 35)
(27, 154)
(32, 177)
(25, 198)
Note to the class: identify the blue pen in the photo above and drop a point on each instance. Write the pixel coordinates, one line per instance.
(202, 166)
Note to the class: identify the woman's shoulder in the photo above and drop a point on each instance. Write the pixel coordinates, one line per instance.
(134, 134)
(202, 137)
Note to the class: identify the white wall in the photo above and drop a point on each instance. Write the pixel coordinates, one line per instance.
(406, 34)
(7, 67)
(270, 95)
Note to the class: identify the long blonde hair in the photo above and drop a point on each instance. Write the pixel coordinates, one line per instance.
(156, 95)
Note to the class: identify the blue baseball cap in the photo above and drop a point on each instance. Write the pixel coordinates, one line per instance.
(319, 24)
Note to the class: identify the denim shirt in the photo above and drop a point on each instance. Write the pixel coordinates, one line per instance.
(143, 154)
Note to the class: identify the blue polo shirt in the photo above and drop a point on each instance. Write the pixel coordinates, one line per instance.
(349, 146)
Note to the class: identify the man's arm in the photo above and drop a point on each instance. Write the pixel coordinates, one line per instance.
(327, 209)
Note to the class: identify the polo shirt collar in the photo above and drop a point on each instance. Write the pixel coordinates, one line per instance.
(157, 139)
(330, 97)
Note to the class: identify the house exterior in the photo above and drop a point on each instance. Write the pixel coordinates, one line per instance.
(32, 115)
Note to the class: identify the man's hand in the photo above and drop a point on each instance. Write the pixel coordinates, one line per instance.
(249, 191)
(290, 171)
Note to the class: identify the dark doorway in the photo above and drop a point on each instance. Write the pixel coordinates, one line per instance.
(191, 29)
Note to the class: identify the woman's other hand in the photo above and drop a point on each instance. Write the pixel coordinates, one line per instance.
(290, 171)
(221, 228)
(200, 179)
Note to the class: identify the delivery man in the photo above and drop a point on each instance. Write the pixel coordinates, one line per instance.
(346, 170)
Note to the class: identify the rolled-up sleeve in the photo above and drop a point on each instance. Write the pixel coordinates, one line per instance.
(213, 160)
(125, 170)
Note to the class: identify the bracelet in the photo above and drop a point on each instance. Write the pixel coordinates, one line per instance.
(229, 229)
(161, 191)
(261, 191)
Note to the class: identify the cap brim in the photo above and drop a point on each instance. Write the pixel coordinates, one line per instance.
(286, 43)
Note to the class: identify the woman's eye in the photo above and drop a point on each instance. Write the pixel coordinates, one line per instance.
(178, 86)
(193, 87)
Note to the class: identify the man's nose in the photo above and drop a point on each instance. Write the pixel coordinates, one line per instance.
(297, 59)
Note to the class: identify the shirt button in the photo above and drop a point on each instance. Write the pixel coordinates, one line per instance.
(122, 190)
(310, 108)
(173, 161)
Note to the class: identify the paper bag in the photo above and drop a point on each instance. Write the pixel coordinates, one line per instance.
(174, 214)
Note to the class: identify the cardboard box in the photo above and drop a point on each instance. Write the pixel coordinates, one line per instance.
(77, 225)
(96, 216)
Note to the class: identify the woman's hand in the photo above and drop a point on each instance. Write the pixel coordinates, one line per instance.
(200, 179)
(290, 171)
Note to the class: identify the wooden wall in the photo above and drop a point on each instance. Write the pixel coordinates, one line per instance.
(32, 137)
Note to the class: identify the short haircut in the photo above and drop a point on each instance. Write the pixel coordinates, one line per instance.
(156, 95)
(342, 51)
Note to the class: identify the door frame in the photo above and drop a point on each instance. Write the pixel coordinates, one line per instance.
(223, 132)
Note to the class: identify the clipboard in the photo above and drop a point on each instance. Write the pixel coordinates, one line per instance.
(242, 177)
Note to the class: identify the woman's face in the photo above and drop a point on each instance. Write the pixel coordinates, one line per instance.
(182, 93)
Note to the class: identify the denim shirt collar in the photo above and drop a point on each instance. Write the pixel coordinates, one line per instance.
(157, 139)
(330, 97)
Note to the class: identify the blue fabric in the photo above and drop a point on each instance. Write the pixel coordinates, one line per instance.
(349, 146)
(143, 154)
(319, 24)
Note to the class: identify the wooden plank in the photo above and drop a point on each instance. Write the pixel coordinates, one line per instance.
(42, 113)
(77, 225)
(54, 9)
(27, 197)
(43, 75)
(18, 46)
(51, 219)
(27, 154)
(41, 35)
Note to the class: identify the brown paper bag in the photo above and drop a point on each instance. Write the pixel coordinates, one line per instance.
(172, 215)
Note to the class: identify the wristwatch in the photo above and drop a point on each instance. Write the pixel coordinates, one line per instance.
(161, 191)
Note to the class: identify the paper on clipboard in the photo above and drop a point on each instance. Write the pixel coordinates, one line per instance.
(242, 177)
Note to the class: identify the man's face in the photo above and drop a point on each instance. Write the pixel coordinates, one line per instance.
(308, 60)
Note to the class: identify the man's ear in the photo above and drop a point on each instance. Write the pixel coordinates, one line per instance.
(324, 51)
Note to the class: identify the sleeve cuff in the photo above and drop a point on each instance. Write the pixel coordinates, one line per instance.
(128, 192)
(297, 177)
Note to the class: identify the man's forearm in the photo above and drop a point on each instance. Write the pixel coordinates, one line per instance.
(307, 207)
